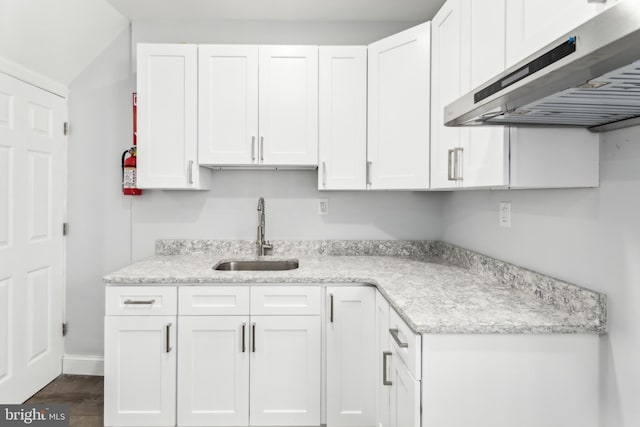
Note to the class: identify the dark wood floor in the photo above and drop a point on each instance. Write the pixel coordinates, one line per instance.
(84, 394)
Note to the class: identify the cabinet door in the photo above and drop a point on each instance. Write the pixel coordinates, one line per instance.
(167, 116)
(532, 24)
(285, 371)
(405, 396)
(228, 104)
(351, 357)
(382, 352)
(288, 105)
(485, 150)
(343, 118)
(213, 371)
(446, 84)
(140, 371)
(398, 137)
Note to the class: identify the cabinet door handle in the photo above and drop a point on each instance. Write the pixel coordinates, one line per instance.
(253, 337)
(458, 169)
(396, 338)
(331, 308)
(244, 325)
(324, 174)
(385, 380)
(139, 302)
(253, 148)
(168, 331)
(190, 171)
(262, 149)
(450, 165)
(369, 164)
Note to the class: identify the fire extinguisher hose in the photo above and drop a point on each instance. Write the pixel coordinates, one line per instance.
(124, 155)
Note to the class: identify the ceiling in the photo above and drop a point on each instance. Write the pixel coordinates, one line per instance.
(281, 10)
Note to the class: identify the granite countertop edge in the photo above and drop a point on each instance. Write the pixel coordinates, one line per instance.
(574, 310)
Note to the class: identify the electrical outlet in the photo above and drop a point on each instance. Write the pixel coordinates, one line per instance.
(505, 214)
(323, 206)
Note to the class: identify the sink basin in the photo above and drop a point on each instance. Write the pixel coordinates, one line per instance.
(257, 265)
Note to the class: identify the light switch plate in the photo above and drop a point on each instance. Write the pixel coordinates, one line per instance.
(505, 214)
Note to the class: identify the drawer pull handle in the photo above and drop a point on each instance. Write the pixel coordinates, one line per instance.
(244, 325)
(385, 380)
(396, 338)
(139, 302)
(168, 329)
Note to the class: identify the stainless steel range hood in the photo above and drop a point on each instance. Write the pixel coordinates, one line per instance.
(588, 78)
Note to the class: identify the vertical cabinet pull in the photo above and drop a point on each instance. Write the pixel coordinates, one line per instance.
(168, 337)
(458, 168)
(253, 148)
(369, 164)
(253, 337)
(385, 380)
(324, 174)
(244, 325)
(331, 308)
(262, 149)
(450, 165)
(190, 171)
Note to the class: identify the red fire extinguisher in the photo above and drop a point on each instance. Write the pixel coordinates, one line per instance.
(129, 164)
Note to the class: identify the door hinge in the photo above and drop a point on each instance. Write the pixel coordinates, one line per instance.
(64, 329)
(65, 228)
(65, 128)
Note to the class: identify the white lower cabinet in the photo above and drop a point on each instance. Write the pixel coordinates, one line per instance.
(285, 371)
(404, 410)
(140, 371)
(350, 356)
(213, 371)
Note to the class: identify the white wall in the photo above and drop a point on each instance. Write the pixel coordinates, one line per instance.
(590, 237)
(99, 216)
(108, 230)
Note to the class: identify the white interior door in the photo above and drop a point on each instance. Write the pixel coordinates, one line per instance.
(32, 201)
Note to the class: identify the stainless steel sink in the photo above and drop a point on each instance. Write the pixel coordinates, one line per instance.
(257, 265)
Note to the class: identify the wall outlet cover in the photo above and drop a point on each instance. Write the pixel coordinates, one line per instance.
(505, 214)
(323, 207)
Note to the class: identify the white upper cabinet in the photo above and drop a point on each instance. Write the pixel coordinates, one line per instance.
(446, 85)
(532, 24)
(167, 117)
(342, 118)
(398, 106)
(288, 105)
(485, 150)
(468, 49)
(228, 104)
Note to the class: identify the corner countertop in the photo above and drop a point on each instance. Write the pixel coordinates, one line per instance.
(434, 291)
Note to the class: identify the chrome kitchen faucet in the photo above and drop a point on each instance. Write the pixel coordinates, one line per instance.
(262, 245)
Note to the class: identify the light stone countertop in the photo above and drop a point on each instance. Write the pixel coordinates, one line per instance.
(434, 292)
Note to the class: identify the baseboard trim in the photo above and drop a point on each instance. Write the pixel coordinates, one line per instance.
(82, 365)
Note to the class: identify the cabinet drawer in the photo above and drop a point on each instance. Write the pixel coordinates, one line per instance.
(285, 300)
(406, 343)
(213, 300)
(141, 300)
